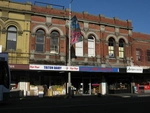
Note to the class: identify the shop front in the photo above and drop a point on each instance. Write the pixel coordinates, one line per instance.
(51, 80)
(94, 79)
(85, 80)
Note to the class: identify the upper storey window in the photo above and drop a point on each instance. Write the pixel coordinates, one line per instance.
(148, 55)
(91, 46)
(111, 47)
(54, 42)
(138, 55)
(121, 48)
(79, 48)
(11, 38)
(40, 40)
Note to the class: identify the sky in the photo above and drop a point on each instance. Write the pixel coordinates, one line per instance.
(138, 11)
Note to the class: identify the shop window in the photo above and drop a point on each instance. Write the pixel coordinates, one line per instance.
(40, 40)
(11, 38)
(54, 42)
(79, 48)
(111, 48)
(91, 46)
(119, 88)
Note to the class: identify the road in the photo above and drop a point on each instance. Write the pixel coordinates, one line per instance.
(87, 104)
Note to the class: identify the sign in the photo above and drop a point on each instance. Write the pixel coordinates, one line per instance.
(134, 69)
(97, 69)
(72, 68)
(19, 66)
(53, 67)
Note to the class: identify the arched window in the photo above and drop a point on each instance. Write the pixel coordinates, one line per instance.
(139, 54)
(148, 55)
(11, 38)
(40, 40)
(54, 42)
(111, 47)
(91, 46)
(79, 48)
(121, 48)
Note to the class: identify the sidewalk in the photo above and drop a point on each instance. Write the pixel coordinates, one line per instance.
(76, 97)
(128, 95)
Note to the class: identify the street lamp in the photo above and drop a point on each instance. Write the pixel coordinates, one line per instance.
(69, 57)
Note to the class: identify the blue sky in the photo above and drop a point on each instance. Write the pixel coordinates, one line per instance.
(138, 11)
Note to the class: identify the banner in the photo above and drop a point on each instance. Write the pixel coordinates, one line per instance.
(76, 35)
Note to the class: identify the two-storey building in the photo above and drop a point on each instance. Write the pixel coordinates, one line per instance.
(111, 58)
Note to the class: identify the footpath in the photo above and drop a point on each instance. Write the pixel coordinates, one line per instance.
(79, 97)
(128, 95)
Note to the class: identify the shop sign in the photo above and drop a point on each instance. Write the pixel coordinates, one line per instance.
(97, 69)
(19, 66)
(134, 69)
(46, 67)
(72, 68)
(53, 67)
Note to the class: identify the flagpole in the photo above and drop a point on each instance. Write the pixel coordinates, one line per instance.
(69, 56)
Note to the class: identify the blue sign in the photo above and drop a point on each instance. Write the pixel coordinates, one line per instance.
(97, 69)
(53, 67)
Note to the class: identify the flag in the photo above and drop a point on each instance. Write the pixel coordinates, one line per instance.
(76, 35)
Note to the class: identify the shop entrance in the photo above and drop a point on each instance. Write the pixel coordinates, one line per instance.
(82, 85)
(89, 86)
(86, 84)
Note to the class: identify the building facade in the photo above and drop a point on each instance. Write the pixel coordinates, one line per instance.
(36, 39)
(14, 35)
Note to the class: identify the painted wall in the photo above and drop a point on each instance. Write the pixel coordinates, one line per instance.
(16, 14)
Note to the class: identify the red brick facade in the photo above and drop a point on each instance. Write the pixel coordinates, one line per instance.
(100, 26)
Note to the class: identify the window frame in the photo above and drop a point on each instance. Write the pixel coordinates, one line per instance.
(91, 49)
(11, 40)
(121, 48)
(79, 48)
(111, 47)
(148, 55)
(139, 54)
(40, 35)
(54, 42)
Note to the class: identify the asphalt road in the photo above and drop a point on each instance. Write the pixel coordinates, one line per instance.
(86, 104)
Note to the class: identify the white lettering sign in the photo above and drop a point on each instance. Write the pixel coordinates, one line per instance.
(53, 67)
(133, 69)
